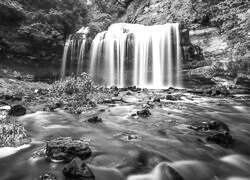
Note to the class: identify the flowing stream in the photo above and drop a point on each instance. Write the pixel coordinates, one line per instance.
(137, 147)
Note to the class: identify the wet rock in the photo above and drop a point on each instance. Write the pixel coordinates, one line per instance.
(133, 88)
(8, 97)
(47, 176)
(53, 106)
(156, 99)
(66, 149)
(144, 113)
(195, 91)
(132, 137)
(148, 105)
(116, 93)
(123, 89)
(164, 171)
(92, 104)
(212, 125)
(116, 99)
(16, 98)
(17, 110)
(77, 169)
(41, 91)
(222, 139)
(216, 91)
(2, 103)
(108, 101)
(129, 93)
(172, 98)
(95, 119)
(114, 88)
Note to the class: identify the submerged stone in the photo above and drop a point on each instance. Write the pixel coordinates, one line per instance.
(77, 169)
(94, 119)
(144, 113)
(66, 149)
(212, 125)
(17, 110)
(47, 176)
(172, 98)
(222, 139)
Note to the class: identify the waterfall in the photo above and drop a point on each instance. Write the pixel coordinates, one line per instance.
(132, 54)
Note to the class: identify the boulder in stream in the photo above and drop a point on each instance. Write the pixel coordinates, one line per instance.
(17, 110)
(222, 139)
(77, 169)
(144, 113)
(47, 176)
(94, 119)
(172, 97)
(212, 125)
(66, 149)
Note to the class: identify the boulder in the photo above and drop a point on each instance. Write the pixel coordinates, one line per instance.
(77, 169)
(212, 125)
(114, 88)
(172, 98)
(66, 149)
(17, 110)
(144, 113)
(47, 176)
(222, 139)
(94, 119)
(156, 99)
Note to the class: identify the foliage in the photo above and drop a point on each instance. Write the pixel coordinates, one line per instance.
(12, 132)
(73, 85)
(73, 91)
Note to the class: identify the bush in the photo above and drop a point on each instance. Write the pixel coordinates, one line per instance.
(73, 85)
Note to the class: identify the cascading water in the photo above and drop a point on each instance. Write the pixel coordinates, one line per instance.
(74, 53)
(132, 54)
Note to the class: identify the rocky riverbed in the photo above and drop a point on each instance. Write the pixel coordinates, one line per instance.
(134, 134)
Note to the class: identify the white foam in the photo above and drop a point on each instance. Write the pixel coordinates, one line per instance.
(7, 151)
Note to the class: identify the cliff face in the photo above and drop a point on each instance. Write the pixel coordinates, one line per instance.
(216, 39)
(33, 32)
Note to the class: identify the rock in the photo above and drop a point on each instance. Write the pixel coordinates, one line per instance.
(77, 169)
(16, 98)
(172, 98)
(123, 89)
(195, 91)
(2, 103)
(116, 93)
(156, 99)
(148, 105)
(212, 125)
(133, 88)
(114, 88)
(222, 139)
(47, 176)
(144, 113)
(108, 101)
(216, 91)
(8, 97)
(17, 110)
(164, 172)
(129, 93)
(92, 104)
(53, 106)
(41, 91)
(95, 119)
(132, 137)
(66, 149)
